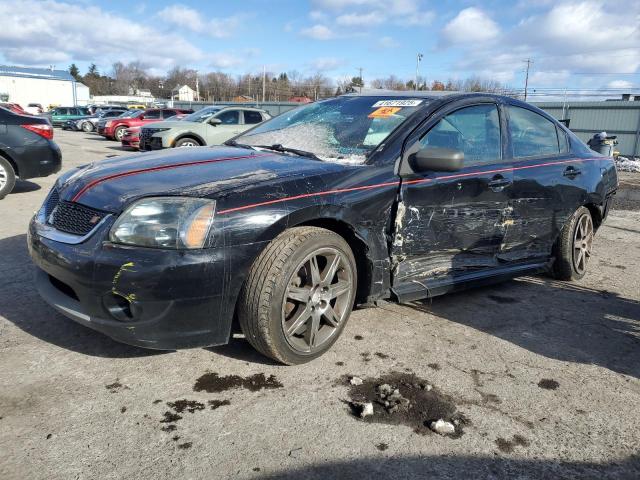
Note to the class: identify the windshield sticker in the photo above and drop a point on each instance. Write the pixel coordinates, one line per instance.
(384, 112)
(397, 103)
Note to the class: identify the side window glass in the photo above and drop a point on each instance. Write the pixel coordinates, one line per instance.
(251, 117)
(230, 117)
(531, 134)
(168, 113)
(152, 115)
(473, 130)
(563, 141)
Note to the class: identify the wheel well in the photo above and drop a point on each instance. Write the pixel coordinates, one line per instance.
(10, 160)
(596, 214)
(190, 136)
(358, 247)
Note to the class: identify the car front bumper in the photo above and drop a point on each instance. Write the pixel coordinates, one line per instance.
(151, 298)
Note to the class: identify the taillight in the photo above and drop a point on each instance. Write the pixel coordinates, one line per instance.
(43, 129)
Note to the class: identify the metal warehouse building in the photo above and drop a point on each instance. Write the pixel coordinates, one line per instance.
(619, 117)
(41, 85)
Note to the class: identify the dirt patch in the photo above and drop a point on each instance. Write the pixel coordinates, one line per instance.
(169, 428)
(381, 355)
(213, 404)
(366, 356)
(116, 387)
(548, 384)
(123, 409)
(507, 446)
(340, 364)
(382, 446)
(170, 417)
(184, 446)
(358, 337)
(180, 406)
(214, 383)
(433, 366)
(404, 399)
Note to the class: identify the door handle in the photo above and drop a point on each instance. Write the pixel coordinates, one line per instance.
(571, 172)
(498, 183)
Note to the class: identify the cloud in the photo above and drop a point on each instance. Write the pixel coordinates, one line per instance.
(324, 64)
(318, 32)
(191, 19)
(470, 26)
(358, 20)
(42, 32)
(225, 60)
(620, 84)
(388, 42)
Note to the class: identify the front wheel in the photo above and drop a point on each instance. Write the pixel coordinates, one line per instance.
(119, 133)
(298, 295)
(87, 127)
(573, 247)
(187, 142)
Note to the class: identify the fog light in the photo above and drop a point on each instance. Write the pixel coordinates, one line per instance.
(119, 307)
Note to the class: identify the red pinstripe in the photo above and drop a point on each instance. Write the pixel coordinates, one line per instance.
(97, 181)
(396, 183)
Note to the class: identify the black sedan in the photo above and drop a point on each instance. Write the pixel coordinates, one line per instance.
(336, 203)
(26, 149)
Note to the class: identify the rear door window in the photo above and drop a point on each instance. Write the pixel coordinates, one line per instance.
(152, 115)
(474, 130)
(532, 135)
(168, 113)
(252, 117)
(229, 117)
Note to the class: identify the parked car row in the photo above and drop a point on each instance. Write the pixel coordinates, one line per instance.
(158, 128)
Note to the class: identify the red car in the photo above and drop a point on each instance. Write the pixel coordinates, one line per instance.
(114, 129)
(131, 138)
(14, 107)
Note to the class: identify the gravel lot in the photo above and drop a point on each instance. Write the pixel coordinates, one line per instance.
(542, 377)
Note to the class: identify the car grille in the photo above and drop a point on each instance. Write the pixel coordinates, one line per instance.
(145, 136)
(74, 218)
(51, 202)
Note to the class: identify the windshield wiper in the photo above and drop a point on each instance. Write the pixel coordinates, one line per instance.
(233, 143)
(277, 147)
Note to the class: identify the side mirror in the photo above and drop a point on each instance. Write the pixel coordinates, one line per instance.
(437, 158)
(215, 121)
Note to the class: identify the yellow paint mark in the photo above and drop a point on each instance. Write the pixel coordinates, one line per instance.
(384, 112)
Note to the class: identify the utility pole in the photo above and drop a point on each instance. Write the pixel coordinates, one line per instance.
(197, 88)
(418, 60)
(360, 77)
(528, 61)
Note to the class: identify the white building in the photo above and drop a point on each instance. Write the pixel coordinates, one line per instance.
(184, 94)
(41, 85)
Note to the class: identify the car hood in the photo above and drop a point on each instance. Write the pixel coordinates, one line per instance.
(111, 184)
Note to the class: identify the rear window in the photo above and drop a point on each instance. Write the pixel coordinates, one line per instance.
(152, 114)
(251, 117)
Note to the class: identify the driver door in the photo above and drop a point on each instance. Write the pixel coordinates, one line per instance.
(228, 127)
(450, 224)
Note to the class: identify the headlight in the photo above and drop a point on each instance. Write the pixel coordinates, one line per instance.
(168, 222)
(158, 130)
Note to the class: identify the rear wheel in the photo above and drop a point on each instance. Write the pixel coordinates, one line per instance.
(7, 177)
(119, 133)
(298, 296)
(573, 247)
(87, 127)
(187, 142)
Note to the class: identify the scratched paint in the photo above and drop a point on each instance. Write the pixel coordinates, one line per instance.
(126, 267)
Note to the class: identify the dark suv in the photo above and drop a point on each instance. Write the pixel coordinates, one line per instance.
(26, 149)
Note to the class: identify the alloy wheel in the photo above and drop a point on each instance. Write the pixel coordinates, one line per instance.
(316, 300)
(189, 143)
(3, 177)
(582, 243)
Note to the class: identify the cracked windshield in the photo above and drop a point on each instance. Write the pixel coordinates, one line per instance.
(343, 130)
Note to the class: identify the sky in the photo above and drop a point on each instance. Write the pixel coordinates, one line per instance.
(575, 45)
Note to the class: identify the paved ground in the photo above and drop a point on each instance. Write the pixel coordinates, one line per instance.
(545, 376)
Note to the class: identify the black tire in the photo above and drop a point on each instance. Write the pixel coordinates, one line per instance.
(263, 300)
(186, 142)
(566, 265)
(119, 133)
(7, 177)
(87, 127)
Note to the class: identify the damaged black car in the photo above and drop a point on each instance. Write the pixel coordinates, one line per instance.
(333, 204)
